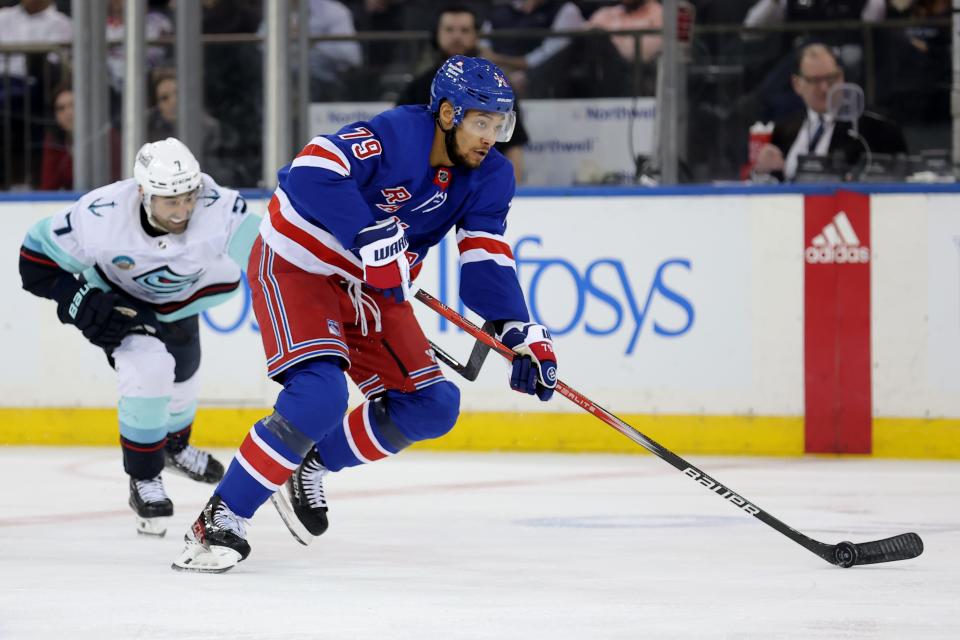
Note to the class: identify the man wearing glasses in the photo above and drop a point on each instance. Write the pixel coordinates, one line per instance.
(815, 131)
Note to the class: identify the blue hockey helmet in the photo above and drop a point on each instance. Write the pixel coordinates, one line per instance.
(474, 83)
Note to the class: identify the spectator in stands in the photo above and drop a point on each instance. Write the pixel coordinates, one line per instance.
(381, 15)
(522, 57)
(25, 79)
(847, 42)
(157, 24)
(329, 62)
(766, 12)
(233, 86)
(232, 16)
(814, 130)
(631, 14)
(56, 167)
(162, 124)
(913, 66)
(456, 32)
(31, 22)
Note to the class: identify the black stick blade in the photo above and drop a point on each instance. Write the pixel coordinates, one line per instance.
(902, 547)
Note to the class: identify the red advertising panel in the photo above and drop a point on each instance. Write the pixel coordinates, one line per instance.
(837, 323)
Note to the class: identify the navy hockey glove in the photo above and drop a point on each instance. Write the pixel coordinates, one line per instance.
(103, 317)
(534, 368)
(382, 249)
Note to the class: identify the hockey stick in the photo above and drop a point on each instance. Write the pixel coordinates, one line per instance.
(471, 370)
(844, 554)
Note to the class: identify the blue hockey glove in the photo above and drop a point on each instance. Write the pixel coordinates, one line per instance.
(534, 369)
(382, 249)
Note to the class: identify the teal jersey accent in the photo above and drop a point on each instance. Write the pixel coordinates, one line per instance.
(242, 241)
(38, 239)
(92, 276)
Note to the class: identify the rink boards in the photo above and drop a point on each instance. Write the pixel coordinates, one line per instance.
(713, 320)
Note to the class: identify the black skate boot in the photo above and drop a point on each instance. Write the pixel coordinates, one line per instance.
(149, 501)
(194, 463)
(301, 502)
(216, 542)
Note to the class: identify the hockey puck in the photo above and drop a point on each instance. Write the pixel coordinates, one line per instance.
(846, 554)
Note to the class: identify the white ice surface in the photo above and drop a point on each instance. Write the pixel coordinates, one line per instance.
(454, 546)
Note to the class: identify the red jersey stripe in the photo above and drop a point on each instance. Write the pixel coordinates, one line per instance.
(320, 152)
(38, 260)
(308, 242)
(488, 245)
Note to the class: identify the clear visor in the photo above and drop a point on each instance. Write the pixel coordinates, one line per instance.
(490, 124)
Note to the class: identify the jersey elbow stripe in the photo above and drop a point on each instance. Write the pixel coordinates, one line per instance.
(39, 258)
(486, 244)
(319, 162)
(321, 152)
(481, 255)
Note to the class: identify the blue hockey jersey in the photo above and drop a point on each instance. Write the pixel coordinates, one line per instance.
(340, 183)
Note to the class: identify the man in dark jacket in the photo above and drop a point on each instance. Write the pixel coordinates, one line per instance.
(816, 131)
(456, 32)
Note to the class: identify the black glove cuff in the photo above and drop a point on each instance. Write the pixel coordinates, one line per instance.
(66, 292)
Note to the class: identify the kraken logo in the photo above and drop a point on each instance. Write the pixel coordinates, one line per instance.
(163, 281)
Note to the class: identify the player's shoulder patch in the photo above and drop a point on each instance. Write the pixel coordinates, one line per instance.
(240, 205)
(106, 200)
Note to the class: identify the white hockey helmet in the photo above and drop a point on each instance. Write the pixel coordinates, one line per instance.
(165, 168)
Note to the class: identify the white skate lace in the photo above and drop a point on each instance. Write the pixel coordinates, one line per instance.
(193, 459)
(312, 479)
(363, 302)
(151, 490)
(224, 518)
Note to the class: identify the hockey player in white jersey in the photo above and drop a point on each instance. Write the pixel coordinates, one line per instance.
(131, 265)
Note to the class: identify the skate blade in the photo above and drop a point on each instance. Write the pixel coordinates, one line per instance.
(281, 500)
(197, 558)
(152, 527)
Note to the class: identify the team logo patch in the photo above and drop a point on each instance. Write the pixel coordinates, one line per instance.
(334, 328)
(164, 281)
(123, 262)
(442, 178)
(94, 207)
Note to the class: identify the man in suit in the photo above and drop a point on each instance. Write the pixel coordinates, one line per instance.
(815, 131)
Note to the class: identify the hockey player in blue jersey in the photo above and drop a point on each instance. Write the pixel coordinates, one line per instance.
(348, 227)
(151, 253)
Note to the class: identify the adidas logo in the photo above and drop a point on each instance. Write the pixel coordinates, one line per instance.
(837, 244)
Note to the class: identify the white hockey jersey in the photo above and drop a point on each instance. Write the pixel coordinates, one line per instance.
(102, 236)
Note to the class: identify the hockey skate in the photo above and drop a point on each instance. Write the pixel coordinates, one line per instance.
(216, 542)
(301, 502)
(150, 503)
(195, 464)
